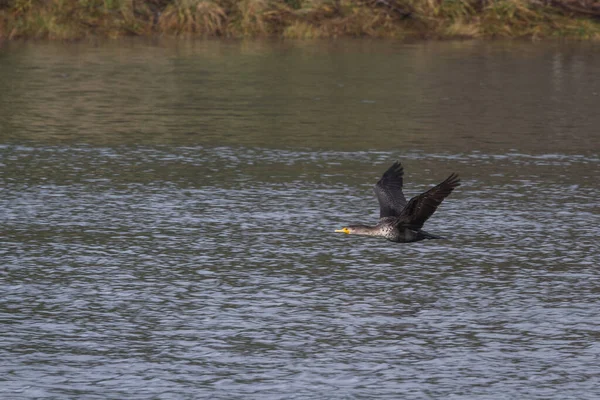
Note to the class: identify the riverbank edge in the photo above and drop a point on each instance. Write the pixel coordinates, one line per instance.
(417, 19)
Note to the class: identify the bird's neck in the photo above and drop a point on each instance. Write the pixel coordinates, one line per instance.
(366, 230)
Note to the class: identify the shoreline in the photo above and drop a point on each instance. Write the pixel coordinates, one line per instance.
(297, 19)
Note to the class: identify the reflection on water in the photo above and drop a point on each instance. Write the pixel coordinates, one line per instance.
(159, 240)
(351, 95)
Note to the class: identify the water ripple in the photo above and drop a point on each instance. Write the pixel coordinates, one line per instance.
(195, 271)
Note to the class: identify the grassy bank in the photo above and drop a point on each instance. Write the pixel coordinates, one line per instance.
(76, 19)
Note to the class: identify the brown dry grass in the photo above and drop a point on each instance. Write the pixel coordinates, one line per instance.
(304, 19)
(202, 17)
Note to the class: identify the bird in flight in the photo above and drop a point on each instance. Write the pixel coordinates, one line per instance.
(399, 220)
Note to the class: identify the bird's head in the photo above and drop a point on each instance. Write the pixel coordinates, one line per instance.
(356, 230)
(350, 229)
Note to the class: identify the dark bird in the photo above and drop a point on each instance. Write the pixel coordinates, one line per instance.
(399, 220)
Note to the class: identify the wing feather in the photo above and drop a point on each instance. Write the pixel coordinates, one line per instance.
(389, 191)
(421, 207)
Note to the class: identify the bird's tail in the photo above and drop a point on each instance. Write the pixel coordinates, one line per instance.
(429, 235)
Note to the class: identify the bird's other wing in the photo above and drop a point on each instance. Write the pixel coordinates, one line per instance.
(421, 207)
(389, 192)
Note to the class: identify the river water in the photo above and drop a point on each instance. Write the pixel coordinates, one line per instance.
(168, 208)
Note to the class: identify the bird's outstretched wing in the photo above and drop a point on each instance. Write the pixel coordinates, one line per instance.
(421, 207)
(389, 192)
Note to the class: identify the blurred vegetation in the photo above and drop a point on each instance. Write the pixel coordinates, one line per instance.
(75, 19)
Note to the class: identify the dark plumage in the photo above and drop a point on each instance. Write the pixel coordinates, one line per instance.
(389, 192)
(400, 221)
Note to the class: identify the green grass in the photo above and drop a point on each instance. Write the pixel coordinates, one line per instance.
(304, 19)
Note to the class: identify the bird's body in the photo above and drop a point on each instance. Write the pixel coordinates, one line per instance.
(399, 220)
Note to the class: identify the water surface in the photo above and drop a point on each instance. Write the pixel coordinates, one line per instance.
(168, 212)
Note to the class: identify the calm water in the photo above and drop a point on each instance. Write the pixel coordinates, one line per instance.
(167, 215)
